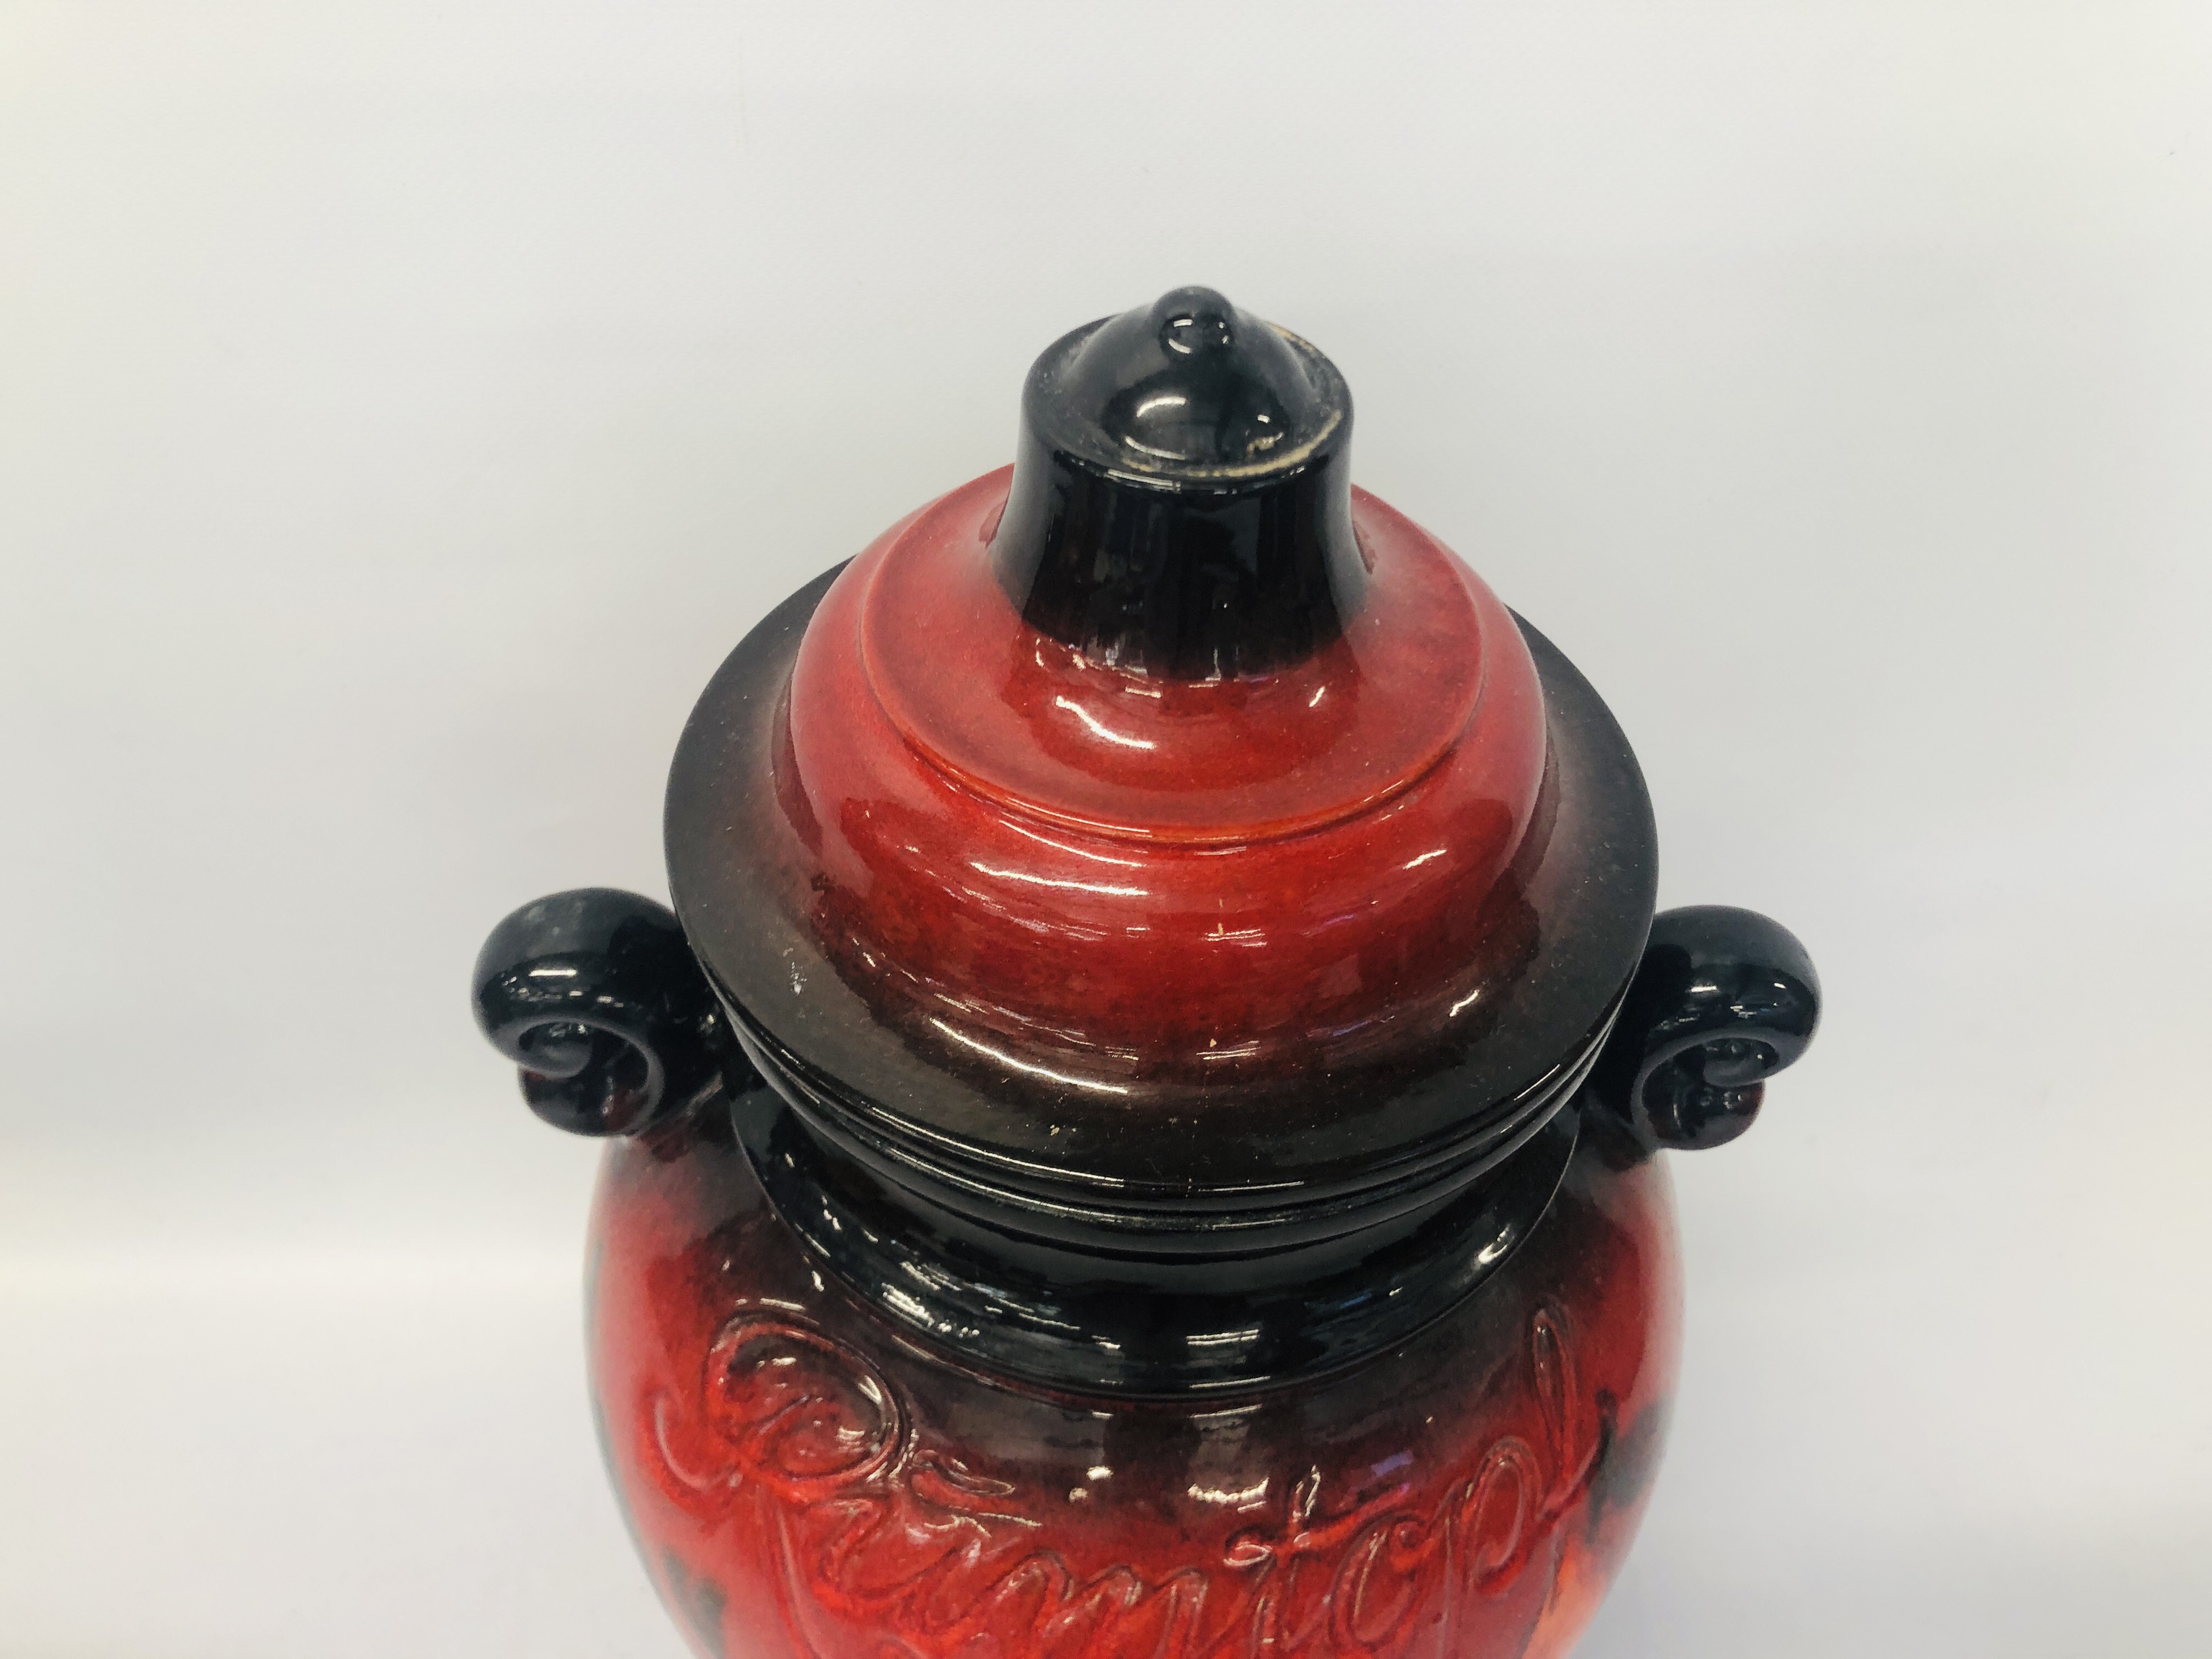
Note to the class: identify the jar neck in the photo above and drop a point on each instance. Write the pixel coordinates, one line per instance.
(1022, 1273)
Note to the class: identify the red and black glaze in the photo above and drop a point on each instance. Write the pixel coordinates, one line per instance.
(805, 1479)
(1140, 1141)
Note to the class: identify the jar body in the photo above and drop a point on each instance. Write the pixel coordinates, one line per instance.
(806, 1482)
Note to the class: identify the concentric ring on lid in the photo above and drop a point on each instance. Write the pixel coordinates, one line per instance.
(1038, 725)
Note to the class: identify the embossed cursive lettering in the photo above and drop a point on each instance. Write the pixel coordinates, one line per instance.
(888, 1544)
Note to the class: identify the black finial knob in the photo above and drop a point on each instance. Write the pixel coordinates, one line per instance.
(1181, 503)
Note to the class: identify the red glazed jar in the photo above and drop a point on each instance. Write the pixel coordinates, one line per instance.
(1137, 1138)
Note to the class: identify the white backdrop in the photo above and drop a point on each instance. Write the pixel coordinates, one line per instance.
(404, 407)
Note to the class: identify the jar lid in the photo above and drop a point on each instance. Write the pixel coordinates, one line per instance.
(1161, 825)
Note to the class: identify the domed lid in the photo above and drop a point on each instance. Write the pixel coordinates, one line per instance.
(1162, 821)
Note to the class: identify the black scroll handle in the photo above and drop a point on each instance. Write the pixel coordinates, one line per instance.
(597, 997)
(1723, 999)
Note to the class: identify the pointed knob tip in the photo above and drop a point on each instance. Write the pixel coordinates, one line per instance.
(1193, 321)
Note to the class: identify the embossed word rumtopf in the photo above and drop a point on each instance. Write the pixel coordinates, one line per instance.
(1138, 1139)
